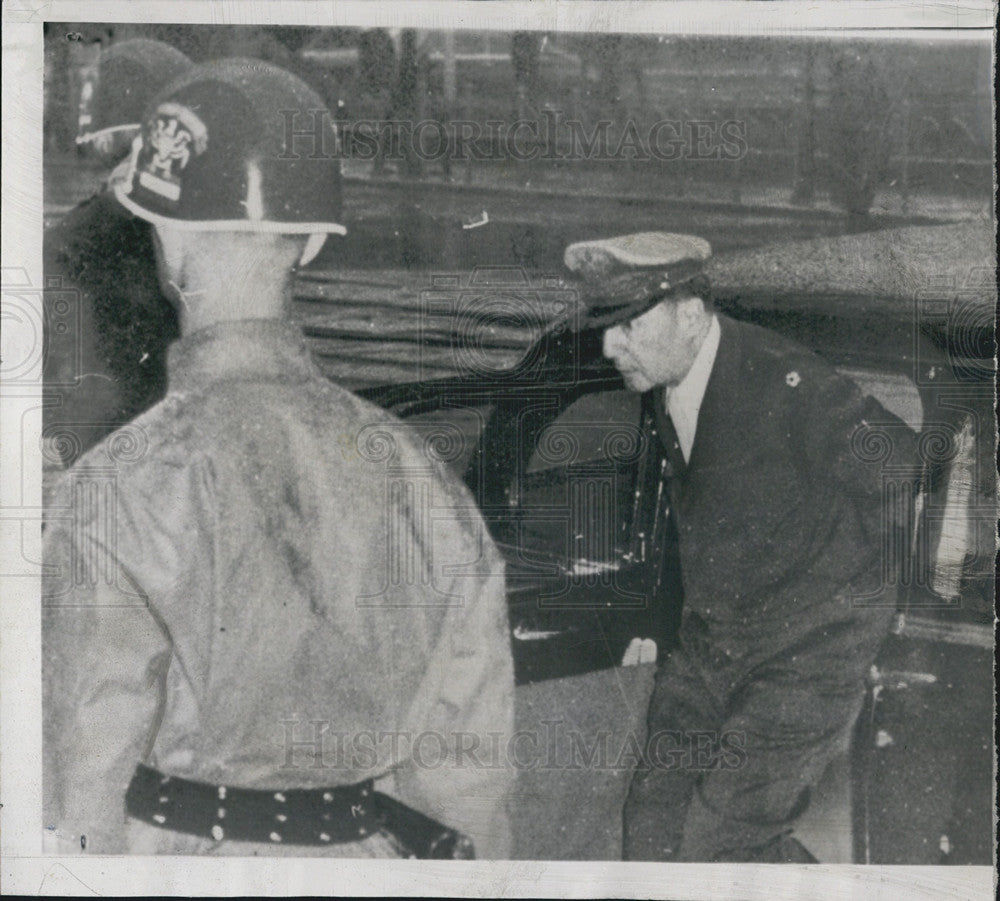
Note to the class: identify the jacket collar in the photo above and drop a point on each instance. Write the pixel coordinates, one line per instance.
(717, 404)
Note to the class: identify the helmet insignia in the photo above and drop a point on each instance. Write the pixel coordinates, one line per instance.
(174, 134)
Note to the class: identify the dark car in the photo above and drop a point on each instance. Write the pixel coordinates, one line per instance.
(559, 457)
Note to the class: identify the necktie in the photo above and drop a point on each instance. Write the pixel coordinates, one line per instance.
(668, 437)
(663, 515)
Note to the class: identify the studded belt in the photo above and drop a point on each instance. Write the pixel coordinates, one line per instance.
(291, 816)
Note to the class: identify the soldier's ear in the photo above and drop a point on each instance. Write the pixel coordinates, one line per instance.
(312, 248)
(170, 243)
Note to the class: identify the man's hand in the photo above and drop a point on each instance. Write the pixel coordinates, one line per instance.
(640, 650)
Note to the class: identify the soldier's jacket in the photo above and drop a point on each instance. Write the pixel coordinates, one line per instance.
(266, 582)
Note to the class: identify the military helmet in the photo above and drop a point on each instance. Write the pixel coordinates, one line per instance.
(129, 75)
(236, 145)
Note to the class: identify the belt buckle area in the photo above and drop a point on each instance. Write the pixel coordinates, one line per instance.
(323, 816)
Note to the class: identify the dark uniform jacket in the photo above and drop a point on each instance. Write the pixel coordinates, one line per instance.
(107, 325)
(790, 517)
(781, 505)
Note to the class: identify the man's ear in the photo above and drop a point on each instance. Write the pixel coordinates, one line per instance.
(692, 311)
(170, 244)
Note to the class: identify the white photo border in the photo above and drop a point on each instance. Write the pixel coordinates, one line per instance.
(24, 868)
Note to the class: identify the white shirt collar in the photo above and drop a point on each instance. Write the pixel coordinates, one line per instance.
(684, 400)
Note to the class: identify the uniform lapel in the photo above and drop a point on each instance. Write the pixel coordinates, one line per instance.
(718, 418)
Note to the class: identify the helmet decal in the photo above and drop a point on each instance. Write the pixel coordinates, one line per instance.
(214, 155)
(174, 134)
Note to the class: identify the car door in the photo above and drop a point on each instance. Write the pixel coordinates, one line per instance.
(578, 506)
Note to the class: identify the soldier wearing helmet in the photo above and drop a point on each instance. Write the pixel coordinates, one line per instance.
(107, 322)
(272, 643)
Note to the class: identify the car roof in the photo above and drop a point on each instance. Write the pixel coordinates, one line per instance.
(880, 272)
(378, 331)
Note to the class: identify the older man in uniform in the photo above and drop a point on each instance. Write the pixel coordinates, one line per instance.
(276, 617)
(779, 516)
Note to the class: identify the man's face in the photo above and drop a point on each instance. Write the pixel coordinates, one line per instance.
(658, 347)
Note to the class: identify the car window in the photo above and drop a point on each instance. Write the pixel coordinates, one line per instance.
(574, 497)
(896, 392)
(602, 426)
